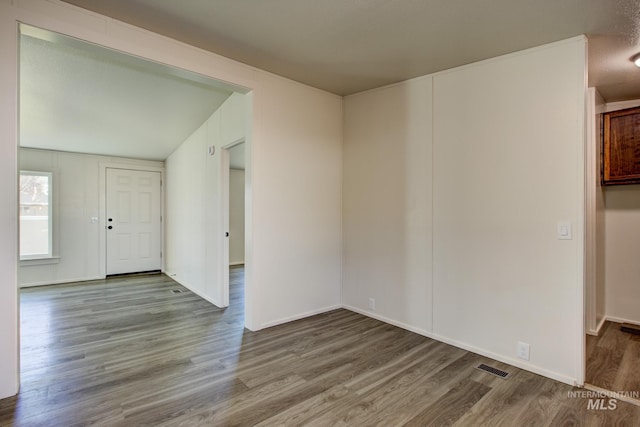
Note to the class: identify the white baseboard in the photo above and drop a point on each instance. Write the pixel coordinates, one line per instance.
(300, 316)
(482, 352)
(60, 282)
(595, 332)
(600, 325)
(510, 361)
(622, 320)
(376, 316)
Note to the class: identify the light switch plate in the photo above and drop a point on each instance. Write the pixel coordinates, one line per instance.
(565, 231)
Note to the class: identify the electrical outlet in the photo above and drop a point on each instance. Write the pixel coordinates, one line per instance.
(523, 350)
(564, 231)
(372, 304)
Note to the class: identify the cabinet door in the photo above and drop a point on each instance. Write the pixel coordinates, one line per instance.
(622, 147)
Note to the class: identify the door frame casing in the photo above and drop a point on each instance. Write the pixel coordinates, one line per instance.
(103, 207)
(591, 178)
(225, 173)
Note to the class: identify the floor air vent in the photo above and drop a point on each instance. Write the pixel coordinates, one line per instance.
(493, 371)
(176, 291)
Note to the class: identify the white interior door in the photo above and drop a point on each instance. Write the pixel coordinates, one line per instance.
(133, 221)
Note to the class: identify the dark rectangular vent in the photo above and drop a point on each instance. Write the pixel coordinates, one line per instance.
(494, 371)
(632, 329)
(176, 291)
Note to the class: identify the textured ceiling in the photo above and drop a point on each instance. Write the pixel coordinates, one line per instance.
(82, 98)
(346, 46)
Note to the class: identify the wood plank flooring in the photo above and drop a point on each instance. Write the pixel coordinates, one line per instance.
(613, 359)
(129, 352)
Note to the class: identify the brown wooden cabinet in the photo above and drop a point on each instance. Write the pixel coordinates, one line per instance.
(621, 147)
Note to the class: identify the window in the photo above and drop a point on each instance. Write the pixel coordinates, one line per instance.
(35, 215)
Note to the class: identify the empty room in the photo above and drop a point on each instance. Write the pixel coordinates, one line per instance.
(319, 213)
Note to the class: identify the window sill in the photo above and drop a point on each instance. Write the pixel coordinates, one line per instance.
(26, 262)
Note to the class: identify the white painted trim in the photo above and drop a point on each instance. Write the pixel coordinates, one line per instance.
(600, 325)
(390, 321)
(234, 143)
(103, 165)
(301, 316)
(10, 242)
(223, 267)
(174, 277)
(591, 176)
(51, 215)
(60, 282)
(581, 221)
(252, 309)
(482, 352)
(621, 320)
(621, 105)
(28, 262)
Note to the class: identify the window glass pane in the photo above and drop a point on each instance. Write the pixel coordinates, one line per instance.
(35, 218)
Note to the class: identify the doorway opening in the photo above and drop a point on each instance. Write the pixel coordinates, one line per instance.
(233, 208)
(132, 120)
(612, 352)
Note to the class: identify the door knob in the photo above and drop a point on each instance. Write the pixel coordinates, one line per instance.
(110, 227)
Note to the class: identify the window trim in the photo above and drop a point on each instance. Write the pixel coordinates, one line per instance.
(48, 255)
(25, 262)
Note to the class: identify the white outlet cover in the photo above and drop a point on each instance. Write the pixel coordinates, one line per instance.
(523, 350)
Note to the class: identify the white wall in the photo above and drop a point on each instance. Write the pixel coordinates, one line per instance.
(622, 245)
(236, 216)
(293, 213)
(388, 202)
(296, 180)
(194, 228)
(508, 165)
(76, 200)
(497, 275)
